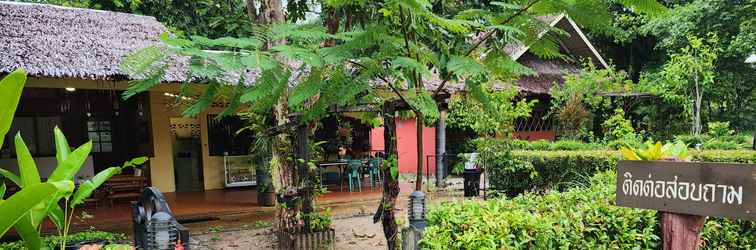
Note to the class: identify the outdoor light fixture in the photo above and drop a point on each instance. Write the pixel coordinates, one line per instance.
(70, 89)
(160, 231)
(417, 210)
(154, 224)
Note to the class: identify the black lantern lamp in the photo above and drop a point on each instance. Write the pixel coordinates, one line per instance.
(154, 224)
(417, 210)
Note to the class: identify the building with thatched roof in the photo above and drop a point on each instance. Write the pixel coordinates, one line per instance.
(73, 57)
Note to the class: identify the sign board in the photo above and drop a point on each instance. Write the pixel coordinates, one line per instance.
(697, 188)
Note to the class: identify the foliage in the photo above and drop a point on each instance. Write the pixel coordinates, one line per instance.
(538, 171)
(579, 218)
(656, 151)
(588, 85)
(719, 129)
(520, 171)
(555, 146)
(583, 94)
(24, 206)
(498, 119)
(687, 75)
(617, 126)
(69, 163)
(725, 142)
(55, 241)
(320, 221)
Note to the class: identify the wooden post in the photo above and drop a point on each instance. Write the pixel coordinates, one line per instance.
(681, 231)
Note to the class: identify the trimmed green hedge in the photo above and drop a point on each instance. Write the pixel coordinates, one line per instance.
(580, 218)
(522, 171)
(53, 241)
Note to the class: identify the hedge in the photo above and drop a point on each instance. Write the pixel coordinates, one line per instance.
(579, 218)
(545, 170)
(53, 241)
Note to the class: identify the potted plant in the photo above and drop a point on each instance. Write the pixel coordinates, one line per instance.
(266, 196)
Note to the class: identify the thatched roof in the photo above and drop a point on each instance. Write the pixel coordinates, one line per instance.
(63, 42)
(54, 41)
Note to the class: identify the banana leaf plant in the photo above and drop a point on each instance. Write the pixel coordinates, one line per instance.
(656, 151)
(60, 180)
(19, 206)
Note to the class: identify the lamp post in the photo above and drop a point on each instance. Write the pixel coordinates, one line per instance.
(417, 210)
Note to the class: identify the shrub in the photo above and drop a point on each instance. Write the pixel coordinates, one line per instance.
(580, 218)
(719, 129)
(546, 169)
(563, 169)
(557, 145)
(617, 127)
(54, 241)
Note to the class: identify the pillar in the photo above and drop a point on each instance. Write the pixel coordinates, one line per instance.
(440, 148)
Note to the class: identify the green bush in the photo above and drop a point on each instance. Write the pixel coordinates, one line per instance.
(537, 171)
(54, 241)
(719, 129)
(557, 145)
(546, 169)
(580, 218)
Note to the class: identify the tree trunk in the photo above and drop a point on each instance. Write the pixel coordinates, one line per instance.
(385, 211)
(271, 12)
(331, 25)
(251, 10)
(419, 177)
(681, 231)
(697, 108)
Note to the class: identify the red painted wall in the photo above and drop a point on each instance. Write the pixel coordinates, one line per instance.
(549, 135)
(407, 145)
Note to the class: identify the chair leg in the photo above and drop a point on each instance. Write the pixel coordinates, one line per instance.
(372, 181)
(350, 182)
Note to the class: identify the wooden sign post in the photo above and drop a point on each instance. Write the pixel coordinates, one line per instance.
(686, 192)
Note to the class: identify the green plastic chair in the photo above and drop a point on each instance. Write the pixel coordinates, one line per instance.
(374, 167)
(354, 171)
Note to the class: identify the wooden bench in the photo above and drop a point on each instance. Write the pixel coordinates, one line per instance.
(124, 186)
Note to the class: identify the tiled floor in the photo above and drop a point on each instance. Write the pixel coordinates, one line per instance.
(212, 204)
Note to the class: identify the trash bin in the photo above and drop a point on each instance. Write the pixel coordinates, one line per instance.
(472, 182)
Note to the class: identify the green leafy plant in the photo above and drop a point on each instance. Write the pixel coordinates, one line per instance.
(719, 129)
(24, 206)
(656, 151)
(579, 218)
(69, 163)
(53, 241)
(617, 127)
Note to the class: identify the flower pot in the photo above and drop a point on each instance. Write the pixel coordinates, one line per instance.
(267, 199)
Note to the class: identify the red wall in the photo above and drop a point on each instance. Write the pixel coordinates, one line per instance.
(407, 145)
(549, 135)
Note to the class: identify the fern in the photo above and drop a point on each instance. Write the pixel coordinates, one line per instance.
(465, 66)
(204, 101)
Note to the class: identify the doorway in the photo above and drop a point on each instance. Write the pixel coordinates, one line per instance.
(187, 154)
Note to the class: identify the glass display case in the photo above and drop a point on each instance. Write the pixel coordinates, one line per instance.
(240, 171)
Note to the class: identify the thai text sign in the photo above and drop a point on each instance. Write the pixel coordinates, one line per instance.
(698, 188)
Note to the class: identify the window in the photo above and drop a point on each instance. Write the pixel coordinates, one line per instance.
(223, 138)
(37, 133)
(101, 135)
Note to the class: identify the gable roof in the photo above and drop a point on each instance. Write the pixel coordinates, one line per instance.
(55, 41)
(576, 43)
